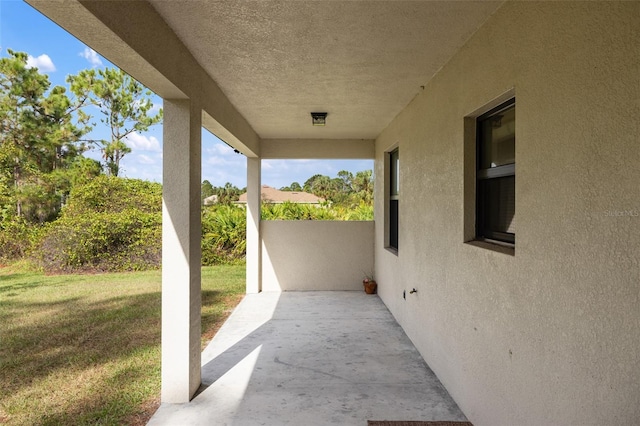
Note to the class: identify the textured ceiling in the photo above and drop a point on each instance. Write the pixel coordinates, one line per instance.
(360, 61)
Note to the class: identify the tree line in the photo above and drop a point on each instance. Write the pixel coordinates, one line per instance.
(44, 132)
(345, 190)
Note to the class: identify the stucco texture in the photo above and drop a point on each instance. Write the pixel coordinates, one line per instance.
(551, 334)
(316, 255)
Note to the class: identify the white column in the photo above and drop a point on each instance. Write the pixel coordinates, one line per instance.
(254, 242)
(181, 253)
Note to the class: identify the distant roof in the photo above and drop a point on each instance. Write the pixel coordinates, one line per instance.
(210, 200)
(272, 195)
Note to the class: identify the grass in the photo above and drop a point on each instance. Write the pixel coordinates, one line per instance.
(85, 349)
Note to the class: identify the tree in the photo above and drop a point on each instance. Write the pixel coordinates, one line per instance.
(125, 107)
(345, 190)
(346, 178)
(362, 185)
(318, 185)
(40, 132)
(206, 190)
(295, 186)
(227, 194)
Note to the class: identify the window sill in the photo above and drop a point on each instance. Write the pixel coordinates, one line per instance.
(497, 246)
(392, 250)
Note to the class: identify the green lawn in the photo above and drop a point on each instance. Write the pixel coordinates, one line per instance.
(85, 349)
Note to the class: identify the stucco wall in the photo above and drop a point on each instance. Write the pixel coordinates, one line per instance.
(550, 335)
(315, 255)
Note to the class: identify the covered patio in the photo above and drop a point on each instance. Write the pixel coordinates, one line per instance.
(542, 328)
(313, 359)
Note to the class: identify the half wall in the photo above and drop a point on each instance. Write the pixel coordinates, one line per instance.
(315, 255)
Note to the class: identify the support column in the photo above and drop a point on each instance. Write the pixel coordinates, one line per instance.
(254, 242)
(181, 252)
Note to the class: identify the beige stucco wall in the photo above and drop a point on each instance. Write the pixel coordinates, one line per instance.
(315, 255)
(550, 335)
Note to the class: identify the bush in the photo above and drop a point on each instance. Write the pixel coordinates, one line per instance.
(294, 211)
(16, 238)
(113, 194)
(363, 211)
(114, 224)
(224, 234)
(110, 224)
(103, 242)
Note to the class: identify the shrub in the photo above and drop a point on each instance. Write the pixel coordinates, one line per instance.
(224, 234)
(110, 224)
(16, 238)
(294, 211)
(114, 224)
(124, 241)
(363, 211)
(113, 194)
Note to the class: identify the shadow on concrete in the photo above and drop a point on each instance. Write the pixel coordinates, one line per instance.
(312, 358)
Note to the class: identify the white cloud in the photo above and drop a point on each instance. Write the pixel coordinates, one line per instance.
(215, 161)
(155, 108)
(141, 166)
(91, 56)
(42, 62)
(230, 161)
(219, 149)
(220, 164)
(138, 142)
(145, 159)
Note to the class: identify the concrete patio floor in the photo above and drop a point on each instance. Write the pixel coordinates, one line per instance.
(312, 358)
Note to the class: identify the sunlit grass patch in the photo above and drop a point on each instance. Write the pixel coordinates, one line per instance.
(85, 349)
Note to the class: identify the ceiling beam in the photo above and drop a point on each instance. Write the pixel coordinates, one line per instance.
(317, 148)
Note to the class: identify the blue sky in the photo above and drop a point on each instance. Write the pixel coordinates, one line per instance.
(58, 54)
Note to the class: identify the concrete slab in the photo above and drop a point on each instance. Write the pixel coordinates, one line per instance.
(312, 358)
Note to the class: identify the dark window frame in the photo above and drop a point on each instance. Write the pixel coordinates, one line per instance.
(485, 177)
(394, 198)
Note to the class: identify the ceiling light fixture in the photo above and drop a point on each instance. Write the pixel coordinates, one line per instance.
(318, 118)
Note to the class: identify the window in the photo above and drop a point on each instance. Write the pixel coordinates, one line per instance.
(496, 174)
(394, 194)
